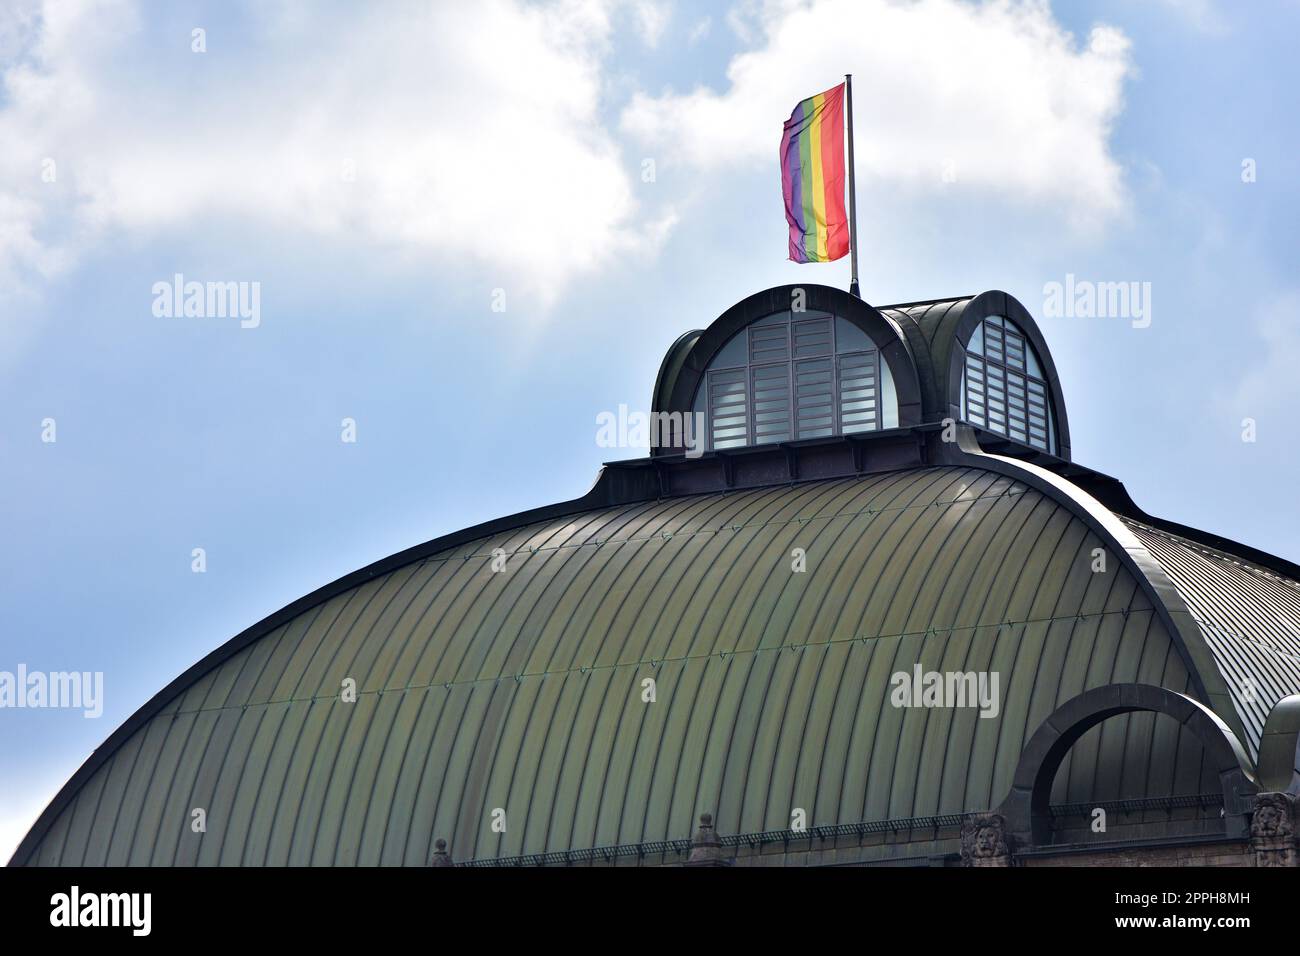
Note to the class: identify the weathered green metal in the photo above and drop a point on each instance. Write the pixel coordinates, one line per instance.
(1249, 616)
(522, 689)
(1279, 748)
(505, 667)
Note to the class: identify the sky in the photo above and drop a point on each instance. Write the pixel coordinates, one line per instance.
(473, 228)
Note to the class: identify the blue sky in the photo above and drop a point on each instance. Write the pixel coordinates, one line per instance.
(387, 173)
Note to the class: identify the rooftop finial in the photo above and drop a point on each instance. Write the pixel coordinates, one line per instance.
(440, 855)
(706, 846)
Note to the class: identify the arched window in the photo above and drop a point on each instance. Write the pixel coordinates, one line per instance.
(792, 376)
(1003, 388)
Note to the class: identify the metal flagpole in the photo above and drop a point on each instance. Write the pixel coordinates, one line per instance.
(853, 195)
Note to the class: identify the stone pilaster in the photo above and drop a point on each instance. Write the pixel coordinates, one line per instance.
(1272, 830)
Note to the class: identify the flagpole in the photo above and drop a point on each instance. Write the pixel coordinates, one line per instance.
(853, 195)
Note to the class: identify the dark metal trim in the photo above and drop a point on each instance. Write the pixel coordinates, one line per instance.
(838, 831)
(1112, 493)
(1114, 846)
(1027, 808)
(919, 302)
(672, 359)
(1139, 804)
(1203, 670)
(682, 847)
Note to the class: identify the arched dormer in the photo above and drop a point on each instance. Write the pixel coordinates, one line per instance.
(982, 360)
(1003, 388)
(789, 364)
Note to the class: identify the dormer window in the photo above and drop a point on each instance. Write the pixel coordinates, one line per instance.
(1003, 387)
(791, 376)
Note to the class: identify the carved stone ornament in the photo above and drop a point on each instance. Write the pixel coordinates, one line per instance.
(1272, 830)
(984, 840)
(440, 855)
(706, 846)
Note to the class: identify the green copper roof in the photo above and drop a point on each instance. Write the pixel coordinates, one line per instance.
(1249, 616)
(523, 689)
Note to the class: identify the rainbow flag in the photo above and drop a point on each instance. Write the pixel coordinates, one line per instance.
(812, 178)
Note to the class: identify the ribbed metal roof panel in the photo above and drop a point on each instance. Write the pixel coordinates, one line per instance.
(1250, 617)
(923, 323)
(522, 690)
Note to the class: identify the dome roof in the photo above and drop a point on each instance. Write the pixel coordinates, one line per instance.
(721, 635)
(522, 689)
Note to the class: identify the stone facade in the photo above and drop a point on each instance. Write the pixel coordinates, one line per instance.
(981, 840)
(1228, 853)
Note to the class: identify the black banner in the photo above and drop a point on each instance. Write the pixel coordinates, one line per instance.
(446, 906)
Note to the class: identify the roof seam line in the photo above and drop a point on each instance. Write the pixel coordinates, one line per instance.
(656, 662)
(669, 535)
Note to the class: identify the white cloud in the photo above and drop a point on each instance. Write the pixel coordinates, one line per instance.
(1203, 15)
(652, 17)
(699, 31)
(474, 131)
(1270, 383)
(1001, 91)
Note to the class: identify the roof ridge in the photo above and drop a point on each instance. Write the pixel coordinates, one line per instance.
(918, 302)
(1212, 552)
